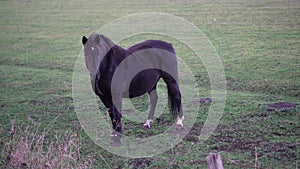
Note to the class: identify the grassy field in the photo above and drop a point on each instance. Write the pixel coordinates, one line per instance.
(258, 42)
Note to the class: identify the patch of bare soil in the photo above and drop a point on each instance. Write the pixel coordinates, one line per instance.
(253, 131)
(282, 150)
(280, 106)
(232, 141)
(193, 134)
(139, 163)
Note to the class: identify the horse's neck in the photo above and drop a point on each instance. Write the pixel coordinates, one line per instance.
(118, 54)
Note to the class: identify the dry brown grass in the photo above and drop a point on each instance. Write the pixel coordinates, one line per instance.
(31, 148)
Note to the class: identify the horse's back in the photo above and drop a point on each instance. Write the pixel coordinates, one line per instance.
(157, 44)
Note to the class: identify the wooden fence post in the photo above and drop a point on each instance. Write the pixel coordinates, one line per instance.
(214, 161)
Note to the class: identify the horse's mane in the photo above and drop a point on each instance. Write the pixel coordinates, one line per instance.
(114, 50)
(119, 53)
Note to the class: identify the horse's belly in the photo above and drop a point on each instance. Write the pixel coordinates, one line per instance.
(143, 82)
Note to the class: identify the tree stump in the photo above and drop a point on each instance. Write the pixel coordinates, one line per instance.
(214, 161)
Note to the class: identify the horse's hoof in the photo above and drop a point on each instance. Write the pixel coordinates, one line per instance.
(179, 122)
(116, 137)
(178, 126)
(116, 143)
(145, 127)
(147, 124)
(116, 140)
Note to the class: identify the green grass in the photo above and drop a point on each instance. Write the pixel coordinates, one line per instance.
(258, 42)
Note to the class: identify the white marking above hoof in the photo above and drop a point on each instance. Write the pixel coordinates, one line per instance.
(113, 135)
(179, 121)
(148, 123)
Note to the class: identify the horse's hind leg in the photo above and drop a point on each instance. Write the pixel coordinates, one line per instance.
(174, 98)
(153, 102)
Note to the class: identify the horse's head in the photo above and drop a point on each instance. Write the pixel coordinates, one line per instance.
(95, 48)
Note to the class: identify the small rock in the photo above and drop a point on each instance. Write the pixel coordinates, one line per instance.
(205, 100)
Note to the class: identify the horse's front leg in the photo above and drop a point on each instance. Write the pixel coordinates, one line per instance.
(116, 118)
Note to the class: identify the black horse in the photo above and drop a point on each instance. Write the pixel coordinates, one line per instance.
(157, 60)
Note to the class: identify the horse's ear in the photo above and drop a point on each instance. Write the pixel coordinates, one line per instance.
(84, 40)
(97, 39)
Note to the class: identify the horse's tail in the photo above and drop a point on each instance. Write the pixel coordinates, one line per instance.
(173, 94)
